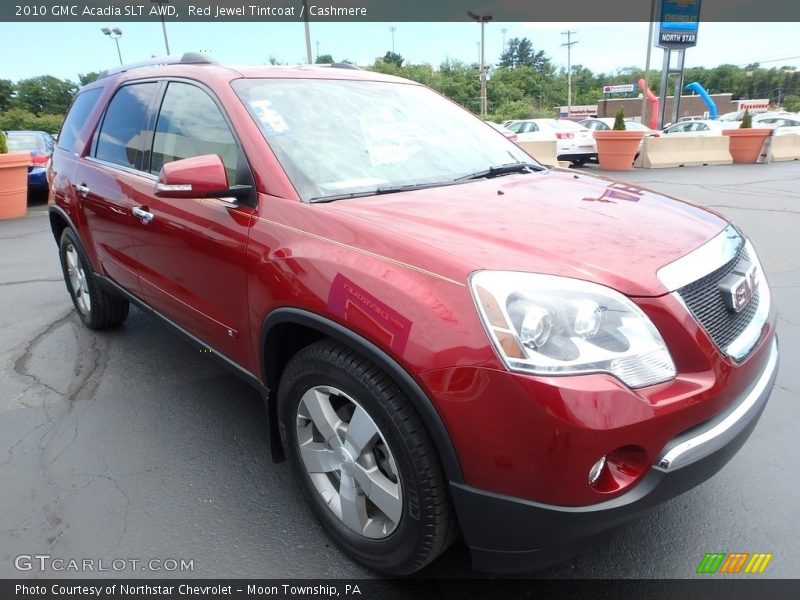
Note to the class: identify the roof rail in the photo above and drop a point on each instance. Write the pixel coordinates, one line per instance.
(188, 58)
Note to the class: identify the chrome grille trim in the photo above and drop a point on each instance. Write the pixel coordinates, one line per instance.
(709, 257)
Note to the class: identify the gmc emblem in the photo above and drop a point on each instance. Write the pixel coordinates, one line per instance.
(739, 287)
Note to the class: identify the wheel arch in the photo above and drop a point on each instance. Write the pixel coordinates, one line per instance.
(286, 330)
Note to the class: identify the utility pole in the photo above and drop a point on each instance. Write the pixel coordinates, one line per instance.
(317, 42)
(308, 32)
(504, 31)
(482, 19)
(392, 29)
(569, 44)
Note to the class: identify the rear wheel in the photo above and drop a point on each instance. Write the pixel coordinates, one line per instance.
(96, 307)
(579, 162)
(364, 459)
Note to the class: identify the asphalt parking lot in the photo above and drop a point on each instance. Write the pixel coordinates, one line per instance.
(132, 444)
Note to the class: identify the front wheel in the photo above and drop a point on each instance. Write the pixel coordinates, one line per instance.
(364, 460)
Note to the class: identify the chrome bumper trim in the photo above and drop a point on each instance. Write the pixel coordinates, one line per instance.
(722, 432)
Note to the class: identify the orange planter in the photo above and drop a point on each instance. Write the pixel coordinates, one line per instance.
(617, 149)
(746, 144)
(14, 184)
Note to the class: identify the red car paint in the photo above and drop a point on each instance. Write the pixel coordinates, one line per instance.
(393, 269)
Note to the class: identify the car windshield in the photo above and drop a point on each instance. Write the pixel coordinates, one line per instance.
(24, 142)
(566, 125)
(338, 138)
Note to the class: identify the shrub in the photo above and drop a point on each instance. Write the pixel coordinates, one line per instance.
(619, 121)
(17, 118)
(3, 145)
(747, 120)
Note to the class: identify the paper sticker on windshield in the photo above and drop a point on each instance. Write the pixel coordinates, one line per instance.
(272, 121)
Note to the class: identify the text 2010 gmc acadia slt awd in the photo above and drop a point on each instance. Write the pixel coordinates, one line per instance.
(450, 337)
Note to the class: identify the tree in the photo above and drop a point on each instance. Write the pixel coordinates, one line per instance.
(45, 95)
(6, 93)
(393, 58)
(87, 78)
(520, 53)
(324, 59)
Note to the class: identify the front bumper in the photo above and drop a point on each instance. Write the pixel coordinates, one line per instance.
(507, 534)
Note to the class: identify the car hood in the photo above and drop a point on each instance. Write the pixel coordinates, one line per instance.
(553, 222)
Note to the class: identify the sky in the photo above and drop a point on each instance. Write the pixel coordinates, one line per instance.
(66, 49)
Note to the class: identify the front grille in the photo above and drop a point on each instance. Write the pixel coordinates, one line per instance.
(705, 301)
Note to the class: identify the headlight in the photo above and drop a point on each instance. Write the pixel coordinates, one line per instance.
(551, 325)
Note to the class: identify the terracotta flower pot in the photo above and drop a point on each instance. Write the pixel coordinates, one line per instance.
(14, 184)
(746, 144)
(617, 149)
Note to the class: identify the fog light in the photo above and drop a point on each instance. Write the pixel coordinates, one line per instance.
(596, 470)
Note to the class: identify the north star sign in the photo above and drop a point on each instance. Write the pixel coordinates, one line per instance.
(678, 26)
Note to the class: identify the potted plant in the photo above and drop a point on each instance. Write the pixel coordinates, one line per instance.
(746, 142)
(616, 148)
(13, 181)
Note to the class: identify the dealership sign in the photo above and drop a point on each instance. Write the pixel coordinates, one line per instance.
(678, 25)
(589, 110)
(754, 105)
(625, 88)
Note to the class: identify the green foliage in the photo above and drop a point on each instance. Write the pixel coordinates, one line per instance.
(87, 78)
(792, 103)
(519, 52)
(3, 145)
(747, 120)
(17, 118)
(45, 95)
(393, 58)
(619, 121)
(324, 59)
(6, 93)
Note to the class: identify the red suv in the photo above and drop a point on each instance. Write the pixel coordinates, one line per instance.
(450, 338)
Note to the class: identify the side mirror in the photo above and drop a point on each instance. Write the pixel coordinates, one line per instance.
(197, 177)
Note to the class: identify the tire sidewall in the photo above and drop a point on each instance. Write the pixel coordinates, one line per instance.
(390, 554)
(69, 237)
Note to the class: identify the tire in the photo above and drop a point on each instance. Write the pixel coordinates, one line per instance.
(405, 521)
(96, 308)
(579, 162)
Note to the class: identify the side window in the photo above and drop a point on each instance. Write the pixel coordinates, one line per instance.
(76, 118)
(121, 134)
(191, 124)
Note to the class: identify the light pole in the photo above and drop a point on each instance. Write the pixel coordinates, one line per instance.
(308, 32)
(392, 29)
(114, 34)
(163, 24)
(569, 44)
(317, 42)
(482, 19)
(504, 31)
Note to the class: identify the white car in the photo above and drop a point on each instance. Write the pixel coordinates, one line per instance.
(703, 128)
(510, 135)
(574, 143)
(784, 123)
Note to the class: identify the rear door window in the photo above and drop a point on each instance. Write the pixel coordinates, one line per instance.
(121, 138)
(76, 118)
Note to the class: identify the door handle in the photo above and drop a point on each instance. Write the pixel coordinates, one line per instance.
(82, 189)
(142, 214)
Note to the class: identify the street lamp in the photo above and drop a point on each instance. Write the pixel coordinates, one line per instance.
(482, 19)
(114, 34)
(392, 30)
(163, 24)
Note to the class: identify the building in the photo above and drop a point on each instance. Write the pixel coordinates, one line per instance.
(689, 106)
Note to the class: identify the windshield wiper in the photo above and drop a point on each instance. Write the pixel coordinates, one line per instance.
(507, 169)
(394, 189)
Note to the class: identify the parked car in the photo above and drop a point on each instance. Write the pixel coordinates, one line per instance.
(510, 135)
(784, 123)
(574, 143)
(705, 127)
(449, 338)
(40, 145)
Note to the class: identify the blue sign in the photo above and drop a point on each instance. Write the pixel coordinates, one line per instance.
(678, 24)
